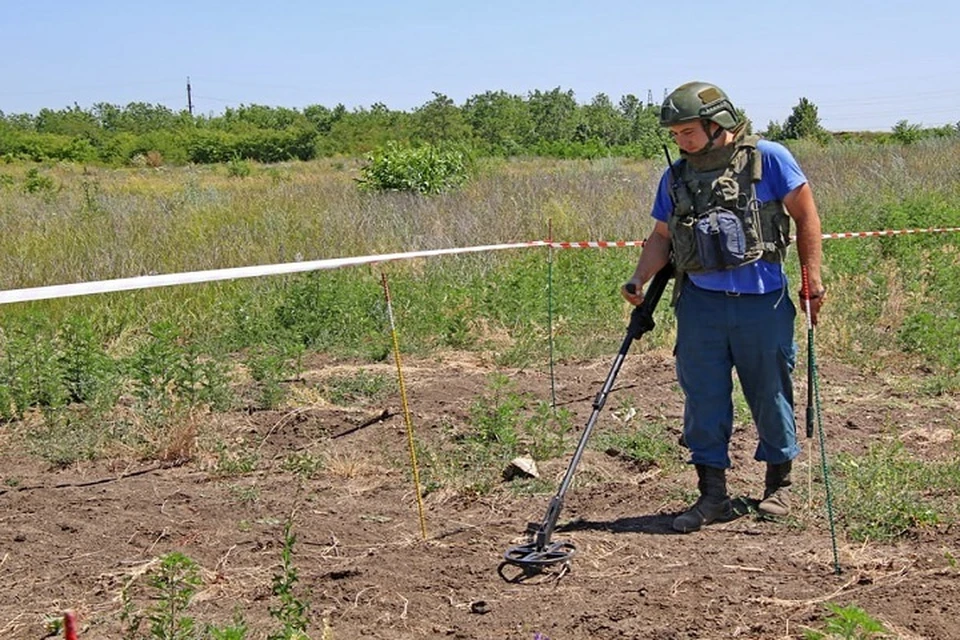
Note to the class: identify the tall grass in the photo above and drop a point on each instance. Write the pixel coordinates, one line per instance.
(894, 298)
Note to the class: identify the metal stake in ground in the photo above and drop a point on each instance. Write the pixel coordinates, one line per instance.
(813, 400)
(542, 551)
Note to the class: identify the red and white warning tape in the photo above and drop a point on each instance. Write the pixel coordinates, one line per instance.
(891, 232)
(235, 273)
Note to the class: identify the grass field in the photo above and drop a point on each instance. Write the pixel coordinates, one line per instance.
(139, 376)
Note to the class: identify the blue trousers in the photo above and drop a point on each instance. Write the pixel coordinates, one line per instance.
(716, 333)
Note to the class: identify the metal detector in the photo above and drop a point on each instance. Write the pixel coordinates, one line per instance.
(542, 551)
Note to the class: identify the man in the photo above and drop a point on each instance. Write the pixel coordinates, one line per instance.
(723, 216)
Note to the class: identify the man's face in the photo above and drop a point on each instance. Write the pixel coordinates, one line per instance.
(690, 136)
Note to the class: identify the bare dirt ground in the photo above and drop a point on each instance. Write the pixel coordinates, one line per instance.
(72, 538)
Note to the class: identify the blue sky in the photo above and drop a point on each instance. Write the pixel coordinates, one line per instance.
(866, 65)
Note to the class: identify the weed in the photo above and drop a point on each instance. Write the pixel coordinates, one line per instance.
(35, 182)
(235, 631)
(305, 464)
(503, 425)
(175, 582)
(170, 589)
(291, 613)
(495, 416)
(53, 625)
(269, 367)
(646, 445)
(234, 463)
(886, 494)
(66, 436)
(848, 623)
(238, 168)
(245, 494)
(169, 370)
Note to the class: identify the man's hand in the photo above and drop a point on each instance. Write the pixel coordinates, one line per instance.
(815, 299)
(632, 292)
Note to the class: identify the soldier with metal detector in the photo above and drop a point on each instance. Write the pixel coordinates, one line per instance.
(722, 215)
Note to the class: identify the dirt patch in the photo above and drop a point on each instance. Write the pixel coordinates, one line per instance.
(73, 538)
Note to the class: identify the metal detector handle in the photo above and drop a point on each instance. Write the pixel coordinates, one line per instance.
(641, 320)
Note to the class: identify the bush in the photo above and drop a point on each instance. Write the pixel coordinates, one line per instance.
(425, 169)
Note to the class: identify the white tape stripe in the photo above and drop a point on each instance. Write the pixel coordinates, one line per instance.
(889, 232)
(235, 273)
(193, 277)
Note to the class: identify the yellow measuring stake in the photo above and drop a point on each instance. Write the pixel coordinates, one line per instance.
(406, 406)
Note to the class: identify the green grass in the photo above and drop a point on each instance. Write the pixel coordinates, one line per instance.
(848, 623)
(68, 364)
(887, 493)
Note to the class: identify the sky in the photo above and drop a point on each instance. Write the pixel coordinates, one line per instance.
(865, 65)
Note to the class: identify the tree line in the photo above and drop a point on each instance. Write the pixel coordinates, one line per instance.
(541, 123)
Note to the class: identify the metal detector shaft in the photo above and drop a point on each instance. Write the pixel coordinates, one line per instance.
(641, 321)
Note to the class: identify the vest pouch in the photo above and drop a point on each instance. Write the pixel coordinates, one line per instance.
(721, 242)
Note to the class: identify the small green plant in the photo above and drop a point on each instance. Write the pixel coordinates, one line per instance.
(646, 445)
(304, 464)
(35, 182)
(246, 494)
(426, 169)
(544, 432)
(174, 582)
(848, 623)
(170, 588)
(53, 626)
(238, 168)
(91, 197)
(235, 631)
(291, 613)
(231, 463)
(169, 371)
(496, 415)
(503, 424)
(269, 367)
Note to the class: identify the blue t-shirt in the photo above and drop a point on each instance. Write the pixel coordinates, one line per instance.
(781, 175)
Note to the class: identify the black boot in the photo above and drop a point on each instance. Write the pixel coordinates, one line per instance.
(776, 494)
(712, 505)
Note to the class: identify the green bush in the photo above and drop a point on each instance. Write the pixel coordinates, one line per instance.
(425, 169)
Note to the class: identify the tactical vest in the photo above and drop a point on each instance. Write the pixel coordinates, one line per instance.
(717, 222)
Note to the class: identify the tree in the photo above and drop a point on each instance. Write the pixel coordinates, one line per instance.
(440, 121)
(603, 122)
(500, 120)
(774, 131)
(804, 123)
(554, 115)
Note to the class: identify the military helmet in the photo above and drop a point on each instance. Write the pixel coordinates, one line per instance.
(699, 101)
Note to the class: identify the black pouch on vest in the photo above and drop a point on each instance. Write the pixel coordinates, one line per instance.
(721, 243)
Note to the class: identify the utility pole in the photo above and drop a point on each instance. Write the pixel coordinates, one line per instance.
(189, 98)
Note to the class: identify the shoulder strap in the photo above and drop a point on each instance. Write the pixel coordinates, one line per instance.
(752, 157)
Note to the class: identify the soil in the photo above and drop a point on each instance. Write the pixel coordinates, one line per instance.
(73, 538)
